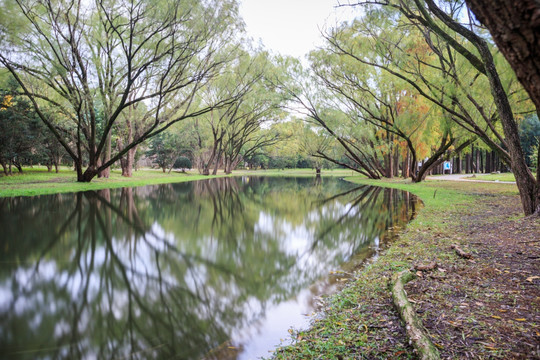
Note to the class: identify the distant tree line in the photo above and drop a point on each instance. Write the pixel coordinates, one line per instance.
(113, 81)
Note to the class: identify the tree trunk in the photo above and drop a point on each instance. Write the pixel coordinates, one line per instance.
(514, 26)
(126, 162)
(433, 159)
(88, 175)
(106, 157)
(389, 161)
(396, 161)
(228, 166)
(406, 168)
(482, 169)
(218, 160)
(5, 168)
(473, 160)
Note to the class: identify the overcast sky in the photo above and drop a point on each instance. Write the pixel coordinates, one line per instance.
(291, 27)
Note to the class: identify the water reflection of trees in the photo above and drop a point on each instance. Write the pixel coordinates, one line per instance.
(175, 269)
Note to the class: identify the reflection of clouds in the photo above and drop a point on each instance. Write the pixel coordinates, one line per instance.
(248, 287)
(314, 257)
(6, 296)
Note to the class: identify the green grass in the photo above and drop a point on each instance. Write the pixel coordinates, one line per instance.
(38, 181)
(496, 177)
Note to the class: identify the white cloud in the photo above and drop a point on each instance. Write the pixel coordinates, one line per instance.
(291, 27)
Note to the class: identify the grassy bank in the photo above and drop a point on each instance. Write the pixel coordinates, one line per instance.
(38, 181)
(468, 307)
(495, 177)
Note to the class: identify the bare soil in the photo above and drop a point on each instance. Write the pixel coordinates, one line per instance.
(488, 306)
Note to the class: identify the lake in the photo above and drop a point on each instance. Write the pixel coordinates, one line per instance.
(213, 269)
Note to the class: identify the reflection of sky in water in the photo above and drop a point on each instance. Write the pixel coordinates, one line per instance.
(185, 266)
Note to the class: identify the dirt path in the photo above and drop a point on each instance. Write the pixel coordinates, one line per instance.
(467, 177)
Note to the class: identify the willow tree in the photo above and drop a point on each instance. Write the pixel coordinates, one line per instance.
(238, 129)
(441, 21)
(91, 61)
(399, 116)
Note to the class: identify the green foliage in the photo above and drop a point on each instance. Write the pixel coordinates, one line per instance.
(24, 139)
(165, 148)
(529, 134)
(182, 162)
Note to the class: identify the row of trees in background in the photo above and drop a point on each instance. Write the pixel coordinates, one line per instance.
(24, 139)
(112, 80)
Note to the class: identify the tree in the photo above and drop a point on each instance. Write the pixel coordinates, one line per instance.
(91, 61)
(441, 22)
(20, 133)
(236, 129)
(384, 106)
(165, 148)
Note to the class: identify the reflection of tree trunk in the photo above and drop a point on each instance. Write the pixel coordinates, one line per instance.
(369, 194)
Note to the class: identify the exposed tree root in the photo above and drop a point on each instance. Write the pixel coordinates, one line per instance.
(415, 330)
(461, 253)
(431, 266)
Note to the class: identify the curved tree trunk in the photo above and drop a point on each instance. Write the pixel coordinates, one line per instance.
(5, 168)
(514, 26)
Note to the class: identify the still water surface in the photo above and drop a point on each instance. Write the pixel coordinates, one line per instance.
(214, 269)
